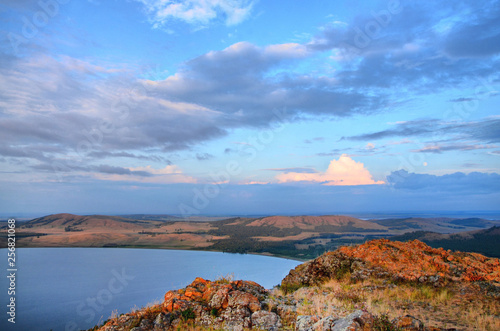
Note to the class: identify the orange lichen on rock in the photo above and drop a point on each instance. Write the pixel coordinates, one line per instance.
(414, 259)
(215, 295)
(406, 261)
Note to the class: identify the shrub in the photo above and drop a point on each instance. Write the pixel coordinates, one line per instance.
(187, 314)
(287, 288)
(382, 323)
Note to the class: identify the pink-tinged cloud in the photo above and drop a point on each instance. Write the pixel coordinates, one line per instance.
(344, 171)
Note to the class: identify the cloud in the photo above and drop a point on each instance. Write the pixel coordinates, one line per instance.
(197, 12)
(237, 81)
(107, 169)
(81, 112)
(463, 99)
(313, 140)
(103, 154)
(295, 170)
(420, 45)
(437, 149)
(342, 172)
(486, 130)
(204, 156)
(479, 39)
(168, 175)
(475, 181)
(60, 110)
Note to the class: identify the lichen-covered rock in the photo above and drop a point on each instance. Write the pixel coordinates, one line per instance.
(239, 299)
(305, 323)
(357, 321)
(236, 318)
(324, 324)
(162, 321)
(266, 320)
(410, 261)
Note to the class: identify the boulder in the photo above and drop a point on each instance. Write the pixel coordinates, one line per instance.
(265, 320)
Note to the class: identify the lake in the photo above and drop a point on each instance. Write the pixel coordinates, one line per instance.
(77, 288)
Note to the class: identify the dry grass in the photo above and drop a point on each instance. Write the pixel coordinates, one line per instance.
(457, 305)
(225, 279)
(188, 326)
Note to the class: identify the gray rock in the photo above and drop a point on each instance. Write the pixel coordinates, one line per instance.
(162, 321)
(266, 320)
(146, 324)
(324, 324)
(355, 321)
(305, 323)
(236, 318)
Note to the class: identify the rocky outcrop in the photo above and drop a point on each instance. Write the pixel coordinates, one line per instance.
(227, 305)
(245, 305)
(411, 261)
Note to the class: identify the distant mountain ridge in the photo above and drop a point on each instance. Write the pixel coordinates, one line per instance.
(308, 222)
(302, 237)
(151, 217)
(90, 221)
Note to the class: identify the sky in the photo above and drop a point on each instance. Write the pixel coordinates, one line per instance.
(237, 107)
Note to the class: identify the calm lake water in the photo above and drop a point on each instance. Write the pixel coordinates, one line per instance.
(77, 288)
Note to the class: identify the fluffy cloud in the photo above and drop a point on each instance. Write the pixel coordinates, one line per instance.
(236, 82)
(343, 172)
(55, 109)
(197, 12)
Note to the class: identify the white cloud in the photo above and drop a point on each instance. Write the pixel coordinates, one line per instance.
(342, 172)
(198, 12)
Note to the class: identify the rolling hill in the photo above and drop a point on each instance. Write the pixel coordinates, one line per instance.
(301, 237)
(481, 241)
(72, 222)
(312, 222)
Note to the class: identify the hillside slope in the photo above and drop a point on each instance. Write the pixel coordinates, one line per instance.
(77, 222)
(312, 222)
(380, 285)
(481, 241)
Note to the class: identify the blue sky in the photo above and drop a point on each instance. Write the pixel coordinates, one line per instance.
(251, 107)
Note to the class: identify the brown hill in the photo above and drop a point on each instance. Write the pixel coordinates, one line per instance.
(94, 222)
(310, 222)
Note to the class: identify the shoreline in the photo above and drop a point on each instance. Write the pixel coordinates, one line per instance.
(173, 249)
